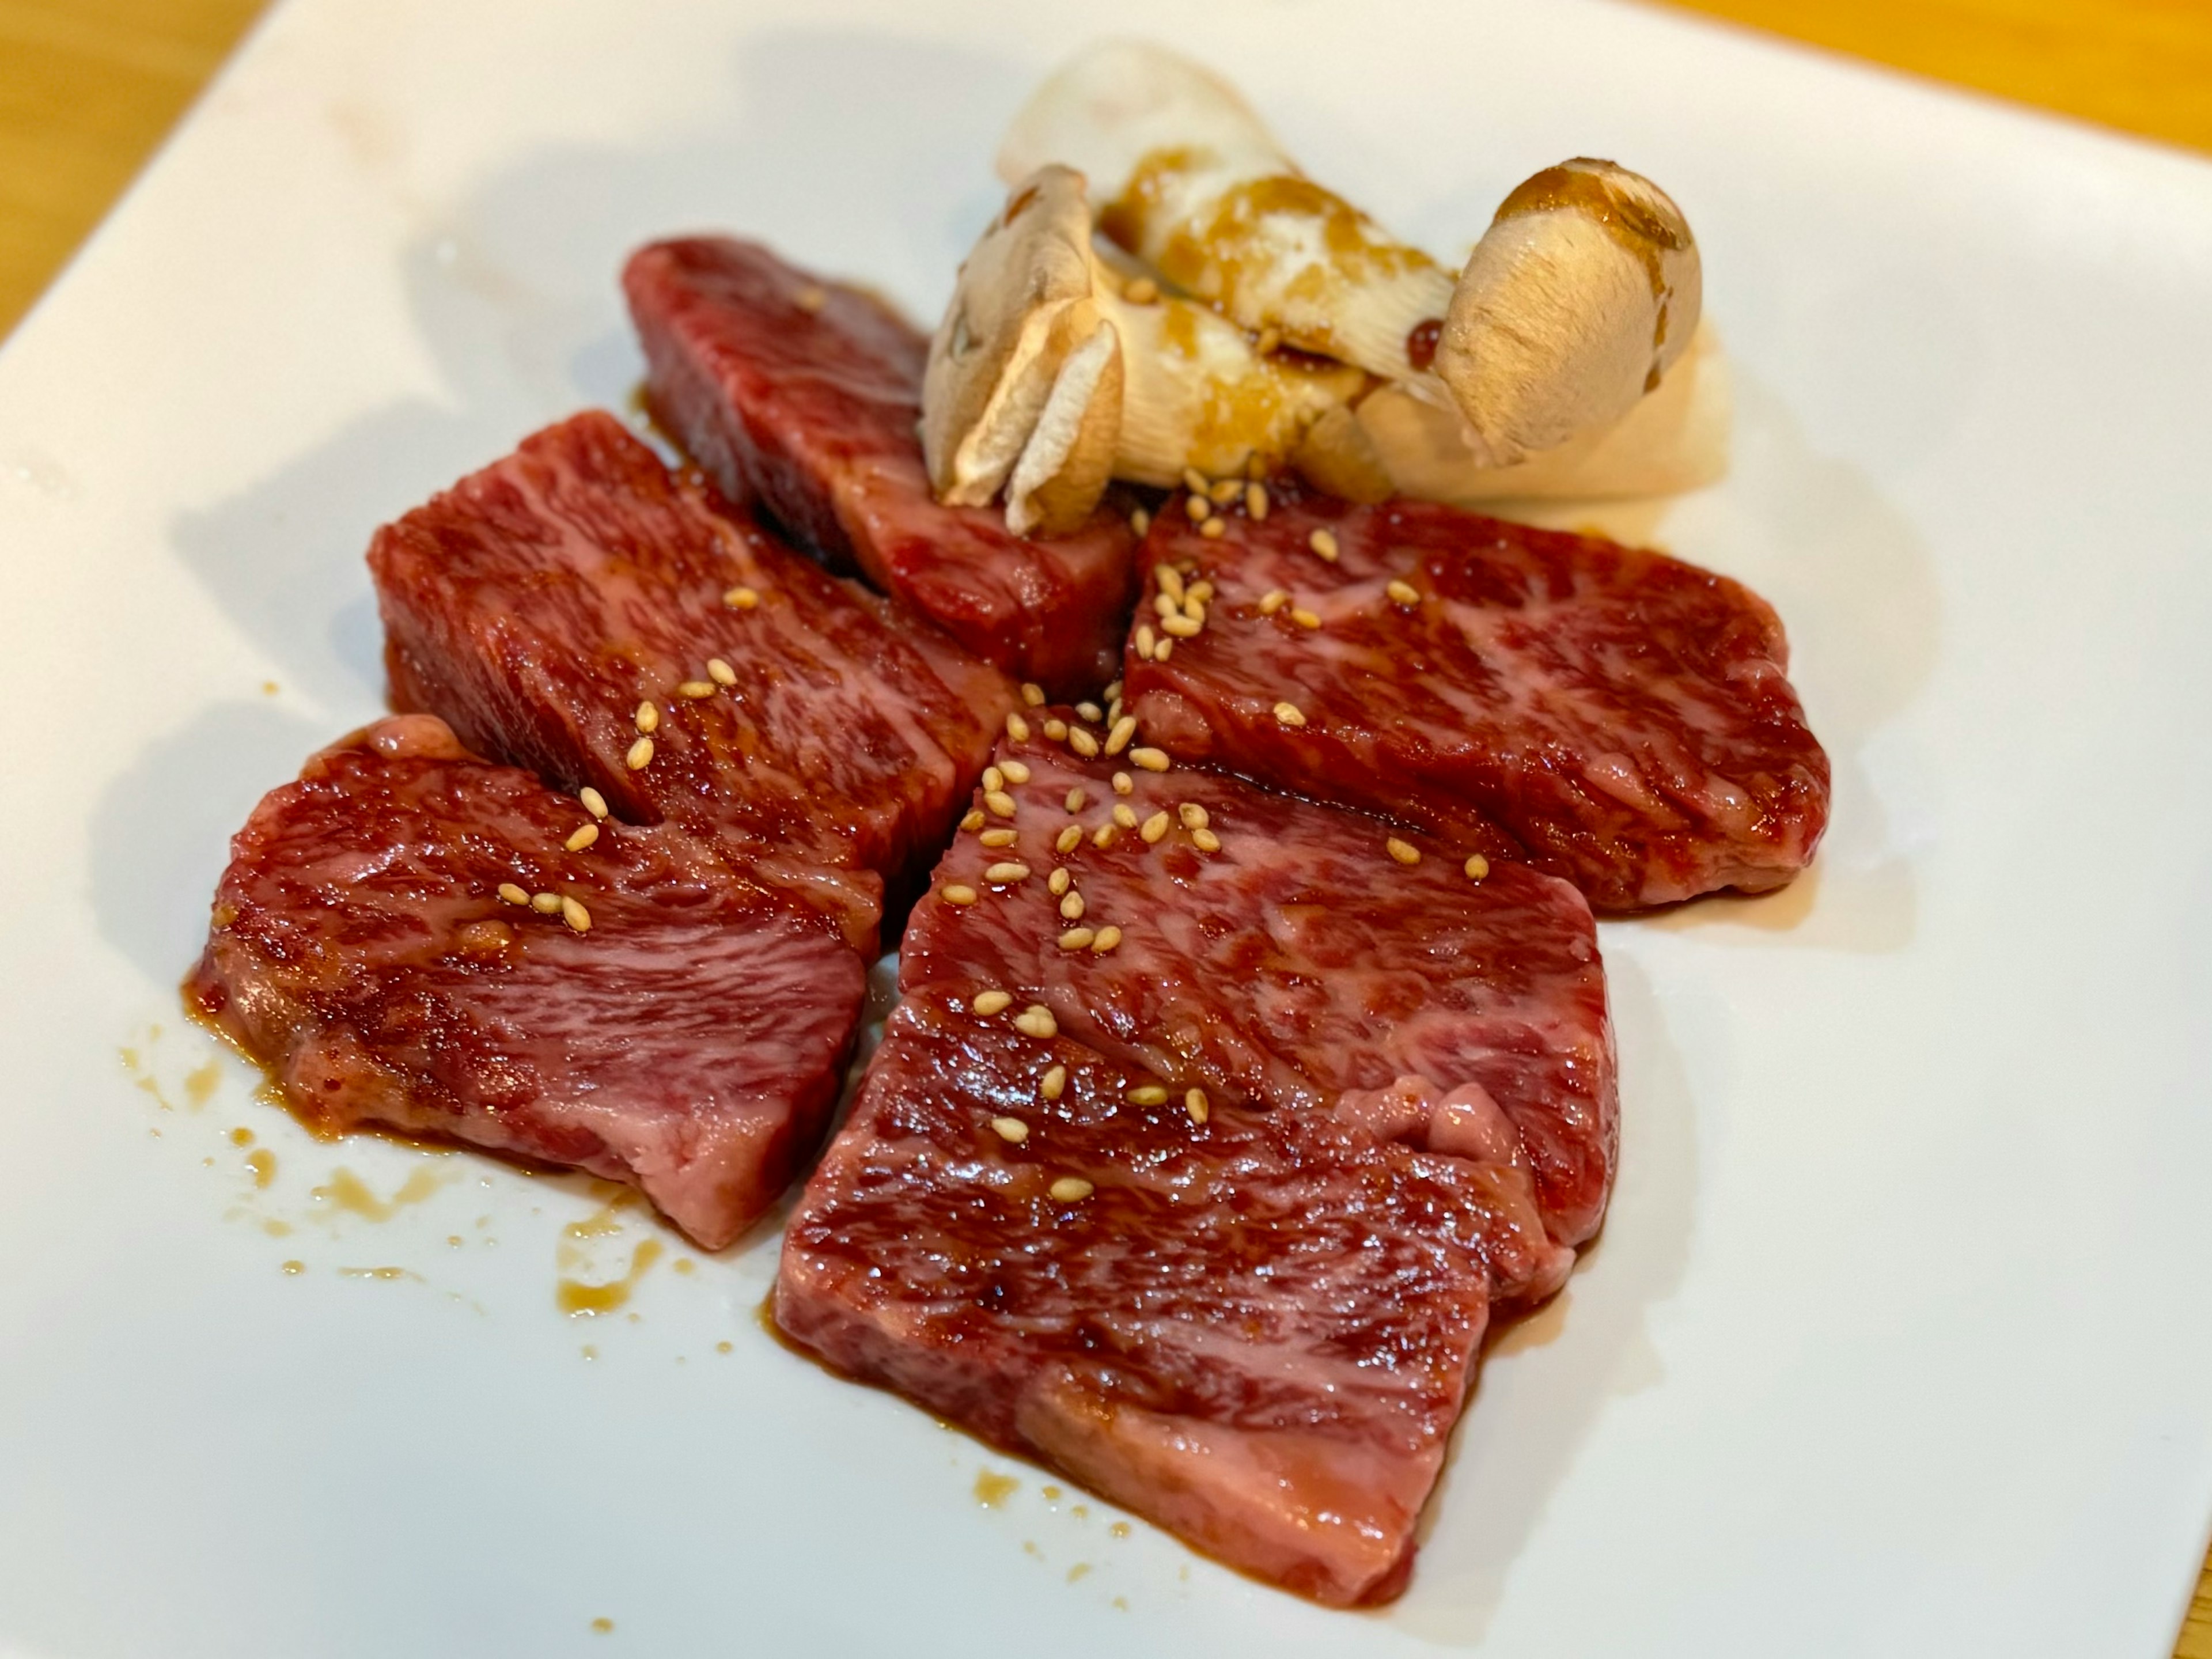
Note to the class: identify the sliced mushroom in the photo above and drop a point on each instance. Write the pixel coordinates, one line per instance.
(1191, 181)
(1584, 290)
(1045, 377)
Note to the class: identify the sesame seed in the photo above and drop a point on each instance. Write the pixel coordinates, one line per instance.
(1016, 771)
(1270, 602)
(1225, 491)
(1118, 738)
(1403, 592)
(1165, 604)
(1036, 1021)
(594, 802)
(1180, 627)
(1053, 1082)
(1123, 783)
(1477, 866)
(1056, 729)
(1069, 839)
(999, 837)
(1076, 938)
(1141, 291)
(1141, 521)
(1214, 529)
(1071, 1189)
(1194, 1102)
(1075, 799)
(1007, 874)
(1114, 710)
(811, 298)
(1000, 804)
(1104, 836)
(972, 818)
(1109, 936)
(647, 718)
(1070, 907)
(1016, 728)
(1323, 543)
(1195, 481)
(546, 904)
(1404, 851)
(957, 894)
(1113, 692)
(510, 894)
(1059, 881)
(1032, 693)
(1091, 711)
(1144, 644)
(640, 755)
(1155, 827)
(721, 672)
(584, 836)
(1164, 650)
(1011, 1129)
(741, 598)
(1192, 816)
(1152, 760)
(1193, 606)
(987, 1003)
(575, 915)
(1170, 582)
(695, 689)
(1290, 713)
(1082, 744)
(1197, 508)
(1305, 618)
(1123, 816)
(1205, 840)
(1201, 591)
(1255, 500)
(1148, 1094)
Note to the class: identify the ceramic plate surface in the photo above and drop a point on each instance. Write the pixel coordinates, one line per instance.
(1896, 1341)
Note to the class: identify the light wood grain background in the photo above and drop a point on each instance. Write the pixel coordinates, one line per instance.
(88, 87)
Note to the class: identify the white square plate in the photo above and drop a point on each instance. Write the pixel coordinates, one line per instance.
(1898, 1342)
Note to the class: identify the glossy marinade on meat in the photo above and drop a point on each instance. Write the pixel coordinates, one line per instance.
(802, 396)
(1256, 1331)
(1289, 955)
(1625, 718)
(578, 608)
(671, 1023)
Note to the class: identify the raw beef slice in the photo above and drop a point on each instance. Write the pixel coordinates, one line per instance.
(1624, 717)
(1256, 1331)
(1270, 950)
(804, 395)
(684, 1030)
(556, 605)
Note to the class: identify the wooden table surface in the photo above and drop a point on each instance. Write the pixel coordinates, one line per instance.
(87, 88)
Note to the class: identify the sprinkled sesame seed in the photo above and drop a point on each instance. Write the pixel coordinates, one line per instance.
(1082, 744)
(1404, 851)
(1118, 738)
(1016, 728)
(1214, 529)
(1195, 481)
(1170, 582)
(1141, 291)
(1113, 692)
(1059, 881)
(594, 802)
(1091, 711)
(1000, 804)
(1305, 618)
(1192, 816)
(1114, 710)
(1143, 642)
(546, 904)
(1197, 508)
(586, 834)
(1070, 907)
(1152, 760)
(1071, 1189)
(1036, 1021)
(640, 755)
(721, 672)
(1194, 1102)
(1123, 783)
(1032, 693)
(510, 894)
(1076, 938)
(957, 894)
(1200, 591)
(1323, 543)
(647, 718)
(1075, 799)
(1141, 521)
(1055, 729)
(1403, 592)
(1007, 873)
(1270, 602)
(999, 837)
(1155, 827)
(575, 915)
(740, 599)
(972, 818)
(1105, 834)
(1205, 840)
(1053, 1082)
(1123, 816)
(1069, 839)
(1180, 627)
(1109, 936)
(1225, 491)
(1164, 650)
(1290, 713)
(1010, 1128)
(987, 1003)
(811, 298)
(1148, 1094)
(1255, 500)
(695, 689)
(1193, 606)
(1477, 866)
(1016, 771)
(1165, 604)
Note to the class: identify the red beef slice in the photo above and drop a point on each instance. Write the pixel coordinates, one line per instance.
(803, 395)
(691, 1042)
(1624, 717)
